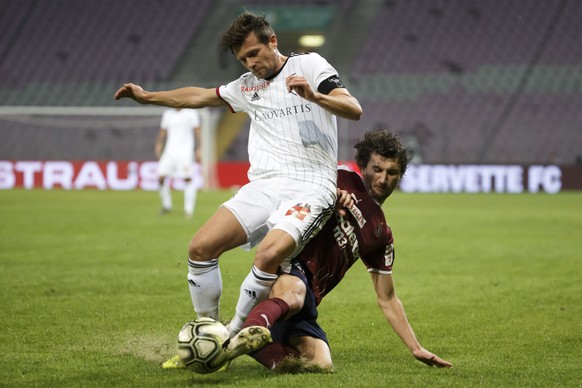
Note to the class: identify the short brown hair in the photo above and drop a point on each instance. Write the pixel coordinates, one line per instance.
(383, 143)
(233, 38)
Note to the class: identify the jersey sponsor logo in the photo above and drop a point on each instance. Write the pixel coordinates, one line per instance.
(356, 212)
(345, 236)
(256, 88)
(255, 97)
(299, 211)
(283, 112)
(389, 255)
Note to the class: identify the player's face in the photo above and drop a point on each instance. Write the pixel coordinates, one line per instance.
(381, 176)
(263, 60)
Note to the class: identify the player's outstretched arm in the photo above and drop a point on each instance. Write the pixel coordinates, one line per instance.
(396, 316)
(189, 97)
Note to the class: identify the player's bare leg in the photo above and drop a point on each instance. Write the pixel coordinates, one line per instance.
(165, 195)
(219, 234)
(189, 197)
(314, 351)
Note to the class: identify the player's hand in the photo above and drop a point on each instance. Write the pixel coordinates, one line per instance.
(431, 359)
(135, 92)
(299, 86)
(344, 202)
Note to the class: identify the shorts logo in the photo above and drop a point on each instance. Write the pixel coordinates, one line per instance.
(300, 211)
(389, 256)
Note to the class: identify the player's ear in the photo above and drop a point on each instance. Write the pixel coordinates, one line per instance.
(273, 41)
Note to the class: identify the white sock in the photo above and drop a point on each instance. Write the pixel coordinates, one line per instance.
(253, 290)
(205, 283)
(166, 194)
(189, 197)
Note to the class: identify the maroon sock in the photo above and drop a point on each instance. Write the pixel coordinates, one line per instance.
(267, 313)
(272, 354)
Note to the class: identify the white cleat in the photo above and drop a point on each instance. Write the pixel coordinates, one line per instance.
(248, 340)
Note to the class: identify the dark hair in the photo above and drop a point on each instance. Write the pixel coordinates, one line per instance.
(383, 143)
(233, 38)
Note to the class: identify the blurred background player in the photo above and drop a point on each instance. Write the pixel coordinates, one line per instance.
(177, 147)
(290, 312)
(293, 102)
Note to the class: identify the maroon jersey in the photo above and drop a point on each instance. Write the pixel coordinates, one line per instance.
(362, 234)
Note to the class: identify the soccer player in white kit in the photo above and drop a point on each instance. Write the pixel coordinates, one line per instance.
(176, 148)
(292, 102)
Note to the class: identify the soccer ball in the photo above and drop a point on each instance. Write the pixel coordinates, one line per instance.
(201, 345)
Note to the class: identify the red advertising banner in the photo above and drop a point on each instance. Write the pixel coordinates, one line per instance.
(134, 175)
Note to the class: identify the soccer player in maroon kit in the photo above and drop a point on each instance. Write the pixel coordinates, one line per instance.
(362, 233)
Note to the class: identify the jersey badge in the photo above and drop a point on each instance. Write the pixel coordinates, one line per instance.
(299, 211)
(356, 212)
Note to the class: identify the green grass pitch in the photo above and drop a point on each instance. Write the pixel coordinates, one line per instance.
(93, 293)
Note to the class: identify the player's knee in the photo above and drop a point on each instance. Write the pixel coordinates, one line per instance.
(325, 364)
(315, 350)
(268, 259)
(269, 256)
(295, 299)
(201, 250)
(295, 303)
(292, 290)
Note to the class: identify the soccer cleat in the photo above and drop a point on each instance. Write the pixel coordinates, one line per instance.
(176, 363)
(248, 340)
(173, 363)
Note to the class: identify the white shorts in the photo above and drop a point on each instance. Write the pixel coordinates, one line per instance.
(175, 167)
(294, 207)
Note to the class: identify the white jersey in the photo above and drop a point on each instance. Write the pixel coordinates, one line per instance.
(290, 137)
(180, 125)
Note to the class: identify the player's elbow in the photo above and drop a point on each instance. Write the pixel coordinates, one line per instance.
(355, 113)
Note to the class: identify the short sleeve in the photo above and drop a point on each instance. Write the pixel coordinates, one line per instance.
(317, 69)
(230, 93)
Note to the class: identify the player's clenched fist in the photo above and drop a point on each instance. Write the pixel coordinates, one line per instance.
(299, 86)
(135, 92)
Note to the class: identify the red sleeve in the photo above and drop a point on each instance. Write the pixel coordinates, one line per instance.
(219, 96)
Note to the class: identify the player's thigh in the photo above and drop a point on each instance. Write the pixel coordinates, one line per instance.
(252, 205)
(219, 234)
(164, 167)
(315, 350)
(183, 167)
